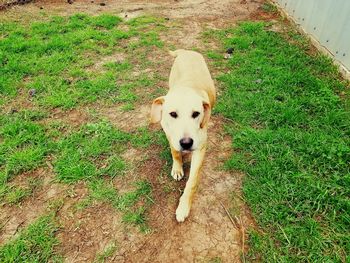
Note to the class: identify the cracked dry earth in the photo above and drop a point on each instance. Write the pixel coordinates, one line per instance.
(211, 233)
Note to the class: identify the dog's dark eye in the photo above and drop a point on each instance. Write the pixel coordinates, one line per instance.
(173, 114)
(195, 114)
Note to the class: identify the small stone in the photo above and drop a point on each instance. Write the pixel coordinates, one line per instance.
(102, 4)
(229, 50)
(32, 92)
(41, 7)
(70, 2)
(12, 111)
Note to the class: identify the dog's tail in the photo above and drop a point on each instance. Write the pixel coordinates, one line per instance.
(175, 53)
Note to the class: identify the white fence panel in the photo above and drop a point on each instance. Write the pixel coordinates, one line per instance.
(328, 21)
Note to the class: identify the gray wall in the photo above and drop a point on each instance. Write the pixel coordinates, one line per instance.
(328, 21)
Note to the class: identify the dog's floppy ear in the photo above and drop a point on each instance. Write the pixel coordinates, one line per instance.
(207, 112)
(156, 110)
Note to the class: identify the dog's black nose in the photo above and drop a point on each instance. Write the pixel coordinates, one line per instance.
(186, 143)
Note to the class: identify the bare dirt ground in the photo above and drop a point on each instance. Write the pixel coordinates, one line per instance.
(210, 234)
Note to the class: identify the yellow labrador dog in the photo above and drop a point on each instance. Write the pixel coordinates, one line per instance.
(184, 114)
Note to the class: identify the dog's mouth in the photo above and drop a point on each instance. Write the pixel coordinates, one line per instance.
(187, 151)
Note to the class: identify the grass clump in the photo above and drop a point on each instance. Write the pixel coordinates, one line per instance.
(16, 194)
(24, 143)
(106, 21)
(55, 58)
(34, 244)
(291, 138)
(94, 151)
(132, 204)
(82, 153)
(107, 253)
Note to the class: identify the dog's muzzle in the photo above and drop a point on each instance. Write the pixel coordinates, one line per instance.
(186, 144)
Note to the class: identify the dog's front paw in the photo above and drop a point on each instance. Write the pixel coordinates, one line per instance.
(182, 212)
(177, 173)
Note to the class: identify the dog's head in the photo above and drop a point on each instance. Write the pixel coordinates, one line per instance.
(184, 115)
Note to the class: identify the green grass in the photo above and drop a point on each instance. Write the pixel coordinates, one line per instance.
(94, 151)
(34, 244)
(215, 260)
(77, 61)
(133, 204)
(24, 147)
(94, 154)
(291, 136)
(71, 62)
(269, 7)
(16, 194)
(53, 57)
(107, 253)
(13, 194)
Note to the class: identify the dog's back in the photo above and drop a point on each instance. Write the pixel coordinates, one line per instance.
(190, 71)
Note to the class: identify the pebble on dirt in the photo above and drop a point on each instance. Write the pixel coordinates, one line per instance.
(229, 50)
(12, 111)
(102, 4)
(32, 92)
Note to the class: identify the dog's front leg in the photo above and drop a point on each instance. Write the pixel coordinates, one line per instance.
(177, 172)
(184, 207)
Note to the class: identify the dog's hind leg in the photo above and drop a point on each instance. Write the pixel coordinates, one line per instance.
(184, 207)
(177, 172)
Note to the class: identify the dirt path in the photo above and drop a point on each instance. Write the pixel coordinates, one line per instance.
(209, 234)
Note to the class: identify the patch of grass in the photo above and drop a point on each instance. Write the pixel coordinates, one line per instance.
(101, 190)
(55, 205)
(12, 195)
(52, 57)
(16, 194)
(136, 217)
(59, 59)
(92, 153)
(165, 154)
(108, 252)
(143, 189)
(116, 167)
(34, 244)
(142, 138)
(215, 260)
(24, 143)
(106, 21)
(82, 153)
(95, 150)
(133, 204)
(128, 107)
(291, 138)
(269, 7)
(143, 21)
